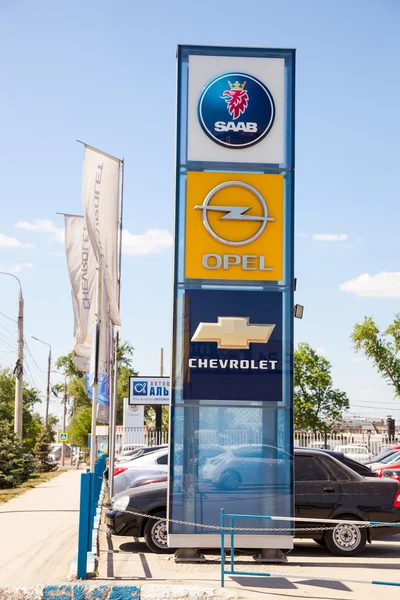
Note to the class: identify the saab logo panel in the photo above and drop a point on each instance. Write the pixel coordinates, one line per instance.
(234, 226)
(237, 356)
(236, 110)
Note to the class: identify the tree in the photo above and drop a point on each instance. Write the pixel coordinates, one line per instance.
(317, 405)
(80, 426)
(42, 451)
(31, 420)
(381, 348)
(16, 464)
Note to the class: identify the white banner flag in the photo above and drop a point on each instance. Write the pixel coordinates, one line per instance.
(100, 190)
(82, 271)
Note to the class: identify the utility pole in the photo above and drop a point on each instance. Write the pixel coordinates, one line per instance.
(19, 369)
(158, 409)
(64, 425)
(19, 366)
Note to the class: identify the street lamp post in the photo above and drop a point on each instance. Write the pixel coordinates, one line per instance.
(19, 367)
(46, 418)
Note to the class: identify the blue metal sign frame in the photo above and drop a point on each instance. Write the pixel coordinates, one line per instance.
(193, 419)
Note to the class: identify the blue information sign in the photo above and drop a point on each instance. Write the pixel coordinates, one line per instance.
(234, 341)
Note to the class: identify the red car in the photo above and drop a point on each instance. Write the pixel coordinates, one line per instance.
(392, 471)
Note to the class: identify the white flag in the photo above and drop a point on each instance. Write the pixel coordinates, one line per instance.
(82, 271)
(100, 190)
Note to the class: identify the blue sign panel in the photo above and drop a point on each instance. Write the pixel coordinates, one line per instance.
(235, 346)
(236, 110)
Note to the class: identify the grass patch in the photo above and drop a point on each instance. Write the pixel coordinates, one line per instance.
(33, 481)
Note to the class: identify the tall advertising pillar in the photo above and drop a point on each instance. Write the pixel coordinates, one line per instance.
(232, 372)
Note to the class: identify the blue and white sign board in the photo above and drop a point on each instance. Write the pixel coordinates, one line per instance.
(149, 390)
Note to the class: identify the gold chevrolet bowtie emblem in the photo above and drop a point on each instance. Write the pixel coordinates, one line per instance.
(233, 332)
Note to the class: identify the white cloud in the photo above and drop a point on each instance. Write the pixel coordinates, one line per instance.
(301, 234)
(43, 226)
(56, 253)
(17, 268)
(152, 241)
(320, 351)
(11, 242)
(330, 237)
(381, 285)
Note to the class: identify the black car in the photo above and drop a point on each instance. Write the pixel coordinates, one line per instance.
(356, 466)
(324, 488)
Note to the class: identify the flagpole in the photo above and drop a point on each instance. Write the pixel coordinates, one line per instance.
(113, 404)
(120, 160)
(93, 448)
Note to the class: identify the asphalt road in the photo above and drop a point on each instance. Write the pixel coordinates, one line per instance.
(38, 532)
(127, 560)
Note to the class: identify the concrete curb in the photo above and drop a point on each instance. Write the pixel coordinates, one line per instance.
(116, 592)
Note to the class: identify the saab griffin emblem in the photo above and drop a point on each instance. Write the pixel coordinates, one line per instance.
(233, 333)
(236, 110)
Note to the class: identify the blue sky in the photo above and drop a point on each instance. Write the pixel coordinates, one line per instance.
(104, 72)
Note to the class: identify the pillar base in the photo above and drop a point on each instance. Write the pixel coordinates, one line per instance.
(189, 555)
(270, 555)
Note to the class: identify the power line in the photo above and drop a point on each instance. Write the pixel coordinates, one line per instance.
(30, 354)
(8, 331)
(8, 317)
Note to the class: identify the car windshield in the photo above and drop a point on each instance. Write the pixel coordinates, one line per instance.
(392, 458)
(383, 454)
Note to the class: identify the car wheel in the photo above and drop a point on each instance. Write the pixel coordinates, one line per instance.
(155, 534)
(321, 541)
(346, 539)
(230, 480)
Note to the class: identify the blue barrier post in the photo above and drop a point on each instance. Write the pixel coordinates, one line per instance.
(83, 533)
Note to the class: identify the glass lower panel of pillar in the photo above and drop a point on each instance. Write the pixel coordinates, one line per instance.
(236, 458)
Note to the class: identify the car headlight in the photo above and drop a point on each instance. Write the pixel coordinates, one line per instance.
(121, 503)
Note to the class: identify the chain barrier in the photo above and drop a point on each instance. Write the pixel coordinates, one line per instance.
(360, 524)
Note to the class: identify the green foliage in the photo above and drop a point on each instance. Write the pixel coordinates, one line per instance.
(66, 365)
(16, 464)
(80, 426)
(31, 420)
(81, 420)
(380, 349)
(317, 405)
(42, 451)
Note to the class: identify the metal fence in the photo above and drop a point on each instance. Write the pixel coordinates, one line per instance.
(374, 443)
(140, 435)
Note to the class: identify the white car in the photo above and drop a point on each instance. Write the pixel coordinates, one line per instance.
(355, 451)
(153, 463)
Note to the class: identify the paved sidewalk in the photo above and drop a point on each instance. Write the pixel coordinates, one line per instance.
(39, 532)
(127, 560)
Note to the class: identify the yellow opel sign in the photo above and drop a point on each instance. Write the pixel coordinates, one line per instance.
(234, 226)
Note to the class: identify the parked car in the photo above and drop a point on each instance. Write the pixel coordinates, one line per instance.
(320, 446)
(324, 488)
(356, 452)
(385, 452)
(242, 465)
(152, 464)
(356, 466)
(125, 448)
(132, 454)
(392, 472)
(389, 460)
